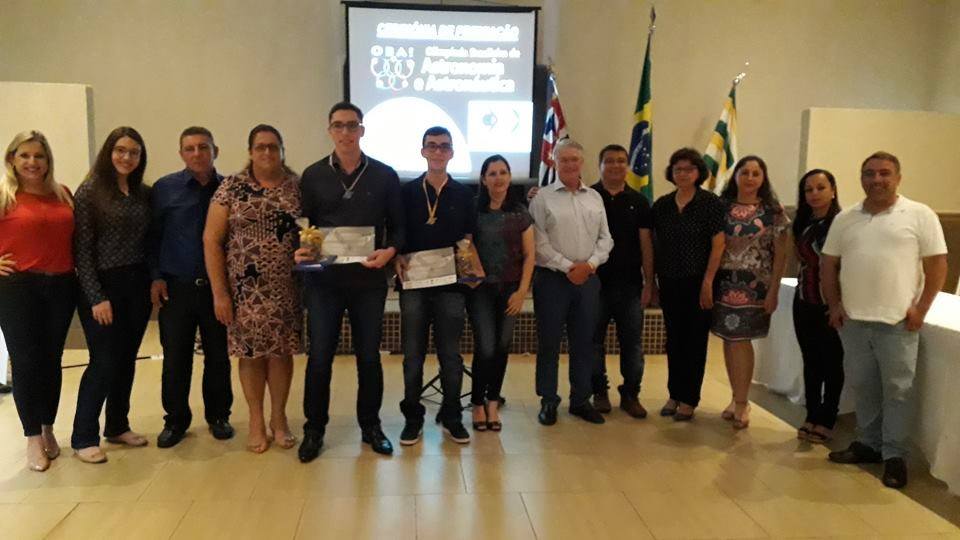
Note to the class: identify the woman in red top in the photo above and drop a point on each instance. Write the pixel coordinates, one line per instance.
(38, 287)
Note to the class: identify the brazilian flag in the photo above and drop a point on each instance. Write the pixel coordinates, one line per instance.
(641, 139)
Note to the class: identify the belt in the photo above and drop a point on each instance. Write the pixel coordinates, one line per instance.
(198, 282)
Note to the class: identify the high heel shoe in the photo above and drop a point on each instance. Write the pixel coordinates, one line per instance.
(493, 425)
(286, 442)
(50, 446)
(743, 420)
(480, 425)
(37, 459)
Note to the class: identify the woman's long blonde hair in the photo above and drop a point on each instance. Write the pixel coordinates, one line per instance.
(9, 183)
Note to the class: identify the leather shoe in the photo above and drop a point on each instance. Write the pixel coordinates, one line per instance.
(630, 404)
(857, 452)
(588, 413)
(601, 402)
(548, 414)
(221, 429)
(169, 437)
(310, 447)
(895, 473)
(378, 442)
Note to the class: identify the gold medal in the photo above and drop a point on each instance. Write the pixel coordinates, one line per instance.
(432, 208)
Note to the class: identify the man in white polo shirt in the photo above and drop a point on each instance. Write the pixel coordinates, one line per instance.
(890, 255)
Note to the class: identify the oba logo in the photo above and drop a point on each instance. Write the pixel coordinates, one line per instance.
(392, 66)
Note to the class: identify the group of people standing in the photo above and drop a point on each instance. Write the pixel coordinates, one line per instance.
(218, 254)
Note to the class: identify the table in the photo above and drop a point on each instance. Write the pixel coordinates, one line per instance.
(779, 366)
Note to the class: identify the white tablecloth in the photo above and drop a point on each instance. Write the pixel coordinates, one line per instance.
(779, 367)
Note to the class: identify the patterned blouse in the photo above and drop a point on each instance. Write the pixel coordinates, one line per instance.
(499, 240)
(108, 234)
(261, 239)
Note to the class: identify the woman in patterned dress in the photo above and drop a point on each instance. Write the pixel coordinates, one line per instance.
(248, 246)
(748, 282)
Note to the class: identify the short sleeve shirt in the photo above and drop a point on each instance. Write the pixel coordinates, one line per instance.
(881, 272)
(627, 212)
(683, 240)
(499, 241)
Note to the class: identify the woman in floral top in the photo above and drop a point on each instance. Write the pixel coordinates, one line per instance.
(748, 282)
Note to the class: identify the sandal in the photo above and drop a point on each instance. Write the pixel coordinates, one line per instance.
(480, 425)
(728, 413)
(493, 425)
(819, 437)
(669, 408)
(742, 421)
(803, 432)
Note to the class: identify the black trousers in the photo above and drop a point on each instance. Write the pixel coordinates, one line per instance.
(492, 336)
(190, 305)
(113, 354)
(325, 307)
(822, 362)
(688, 329)
(35, 315)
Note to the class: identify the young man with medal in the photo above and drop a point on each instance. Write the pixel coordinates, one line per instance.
(348, 189)
(439, 212)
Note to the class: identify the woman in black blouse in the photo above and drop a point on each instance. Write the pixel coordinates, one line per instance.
(689, 241)
(817, 204)
(112, 214)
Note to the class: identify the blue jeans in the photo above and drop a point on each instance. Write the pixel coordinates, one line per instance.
(558, 303)
(325, 306)
(881, 362)
(620, 302)
(444, 308)
(492, 335)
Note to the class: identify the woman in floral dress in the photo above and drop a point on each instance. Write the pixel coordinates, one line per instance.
(248, 246)
(748, 282)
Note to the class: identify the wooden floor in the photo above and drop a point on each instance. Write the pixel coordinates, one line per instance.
(629, 478)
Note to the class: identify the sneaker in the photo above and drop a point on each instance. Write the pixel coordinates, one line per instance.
(411, 433)
(456, 432)
(857, 452)
(601, 402)
(895, 473)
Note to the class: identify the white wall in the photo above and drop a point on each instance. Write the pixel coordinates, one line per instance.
(840, 139)
(946, 89)
(230, 64)
(62, 112)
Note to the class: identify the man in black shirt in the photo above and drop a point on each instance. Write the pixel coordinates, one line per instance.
(624, 293)
(182, 292)
(440, 212)
(348, 189)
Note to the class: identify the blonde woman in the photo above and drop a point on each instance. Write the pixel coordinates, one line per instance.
(38, 287)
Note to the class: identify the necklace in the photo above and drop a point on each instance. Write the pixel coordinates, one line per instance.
(348, 191)
(432, 208)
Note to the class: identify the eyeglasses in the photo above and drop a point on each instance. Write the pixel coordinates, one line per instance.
(345, 126)
(124, 152)
(262, 148)
(433, 147)
(683, 170)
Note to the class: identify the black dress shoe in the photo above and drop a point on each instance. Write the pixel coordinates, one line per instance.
(169, 437)
(588, 413)
(221, 430)
(895, 473)
(310, 447)
(5, 389)
(548, 414)
(857, 452)
(378, 442)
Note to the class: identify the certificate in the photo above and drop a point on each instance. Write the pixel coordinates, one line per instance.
(347, 244)
(430, 268)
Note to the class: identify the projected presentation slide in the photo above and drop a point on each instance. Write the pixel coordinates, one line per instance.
(468, 71)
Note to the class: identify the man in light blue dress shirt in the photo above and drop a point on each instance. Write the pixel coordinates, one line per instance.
(572, 240)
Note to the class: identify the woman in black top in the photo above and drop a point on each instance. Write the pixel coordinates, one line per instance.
(817, 204)
(112, 214)
(688, 243)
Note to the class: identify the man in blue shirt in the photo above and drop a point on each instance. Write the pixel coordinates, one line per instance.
(182, 292)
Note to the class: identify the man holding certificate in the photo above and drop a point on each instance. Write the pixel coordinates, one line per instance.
(439, 212)
(350, 197)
